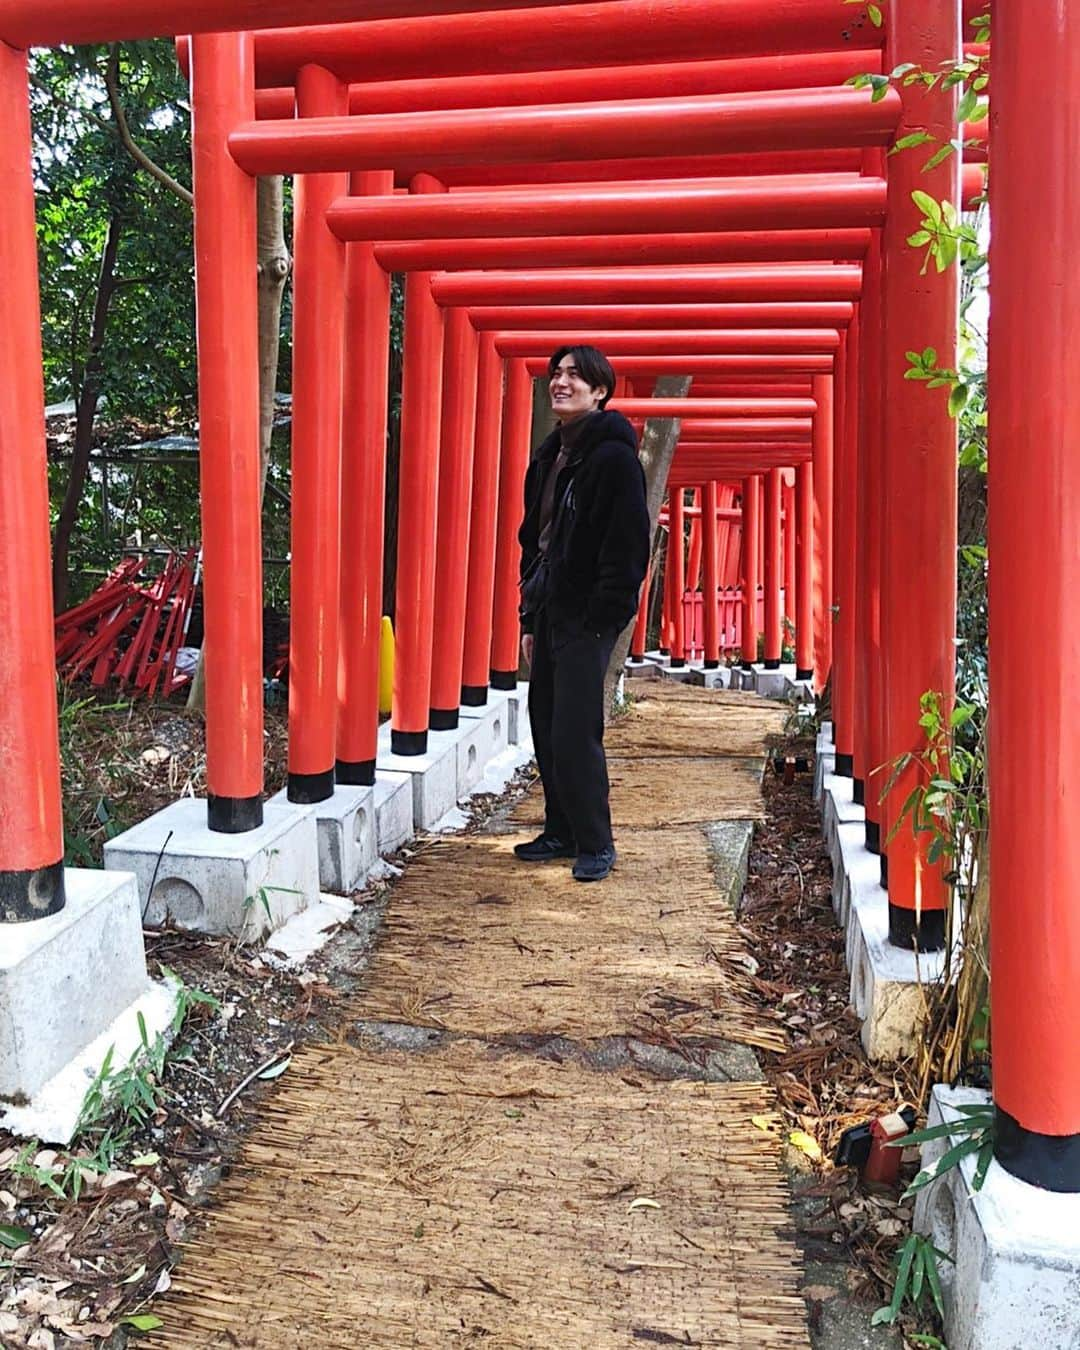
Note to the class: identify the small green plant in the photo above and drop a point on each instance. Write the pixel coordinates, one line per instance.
(974, 1131)
(118, 1102)
(916, 1277)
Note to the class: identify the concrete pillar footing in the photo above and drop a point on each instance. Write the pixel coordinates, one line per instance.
(245, 885)
(71, 986)
(1015, 1274)
(347, 835)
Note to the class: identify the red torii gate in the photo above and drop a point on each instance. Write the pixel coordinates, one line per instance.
(904, 594)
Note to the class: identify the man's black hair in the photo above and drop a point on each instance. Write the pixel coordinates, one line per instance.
(593, 366)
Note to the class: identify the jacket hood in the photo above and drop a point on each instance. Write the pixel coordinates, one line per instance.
(602, 426)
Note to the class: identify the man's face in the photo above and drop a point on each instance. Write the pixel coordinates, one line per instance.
(571, 395)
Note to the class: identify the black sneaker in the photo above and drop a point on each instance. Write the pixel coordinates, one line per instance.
(544, 848)
(594, 866)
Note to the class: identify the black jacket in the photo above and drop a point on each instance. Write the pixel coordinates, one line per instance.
(598, 552)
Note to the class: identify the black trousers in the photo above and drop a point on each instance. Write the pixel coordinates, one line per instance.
(566, 711)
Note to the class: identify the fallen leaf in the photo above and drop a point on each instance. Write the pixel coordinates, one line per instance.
(805, 1144)
(819, 1292)
(642, 1202)
(146, 1160)
(164, 1281)
(14, 1237)
(135, 1275)
(276, 1070)
(142, 1321)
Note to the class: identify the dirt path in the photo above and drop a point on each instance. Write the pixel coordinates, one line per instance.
(488, 1157)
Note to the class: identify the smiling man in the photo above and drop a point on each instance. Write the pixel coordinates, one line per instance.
(584, 553)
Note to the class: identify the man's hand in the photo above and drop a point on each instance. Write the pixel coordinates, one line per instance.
(527, 648)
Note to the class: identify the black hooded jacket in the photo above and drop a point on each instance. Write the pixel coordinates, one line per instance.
(598, 552)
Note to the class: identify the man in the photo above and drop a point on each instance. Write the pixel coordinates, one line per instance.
(585, 550)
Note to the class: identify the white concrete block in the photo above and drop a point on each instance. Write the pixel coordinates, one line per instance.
(838, 807)
(348, 843)
(1015, 1277)
(770, 683)
(480, 739)
(641, 670)
(519, 730)
(495, 697)
(245, 884)
(393, 810)
(886, 981)
(53, 1112)
(65, 978)
(434, 774)
(825, 761)
(681, 674)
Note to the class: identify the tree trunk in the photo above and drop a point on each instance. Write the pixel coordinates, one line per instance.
(86, 386)
(657, 451)
(275, 265)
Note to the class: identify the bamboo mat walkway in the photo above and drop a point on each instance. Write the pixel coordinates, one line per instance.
(472, 1194)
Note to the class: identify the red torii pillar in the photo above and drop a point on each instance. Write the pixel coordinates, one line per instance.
(845, 531)
(455, 502)
(31, 821)
(227, 320)
(318, 325)
(363, 494)
(1034, 497)
(789, 552)
(506, 627)
(773, 568)
(421, 412)
(918, 603)
(804, 570)
(869, 705)
(484, 514)
(824, 425)
(711, 578)
(751, 530)
(677, 565)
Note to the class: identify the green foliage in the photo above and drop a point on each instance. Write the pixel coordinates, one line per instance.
(917, 1280)
(943, 234)
(118, 1104)
(85, 177)
(974, 1132)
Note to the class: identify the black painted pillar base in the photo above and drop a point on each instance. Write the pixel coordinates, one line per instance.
(504, 679)
(924, 933)
(1049, 1161)
(474, 695)
(883, 868)
(858, 792)
(665, 651)
(845, 766)
(746, 665)
(804, 674)
(234, 815)
(443, 719)
(677, 663)
(308, 789)
(712, 665)
(770, 664)
(34, 893)
(408, 742)
(873, 836)
(355, 773)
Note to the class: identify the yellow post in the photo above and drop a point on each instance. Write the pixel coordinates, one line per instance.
(386, 665)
